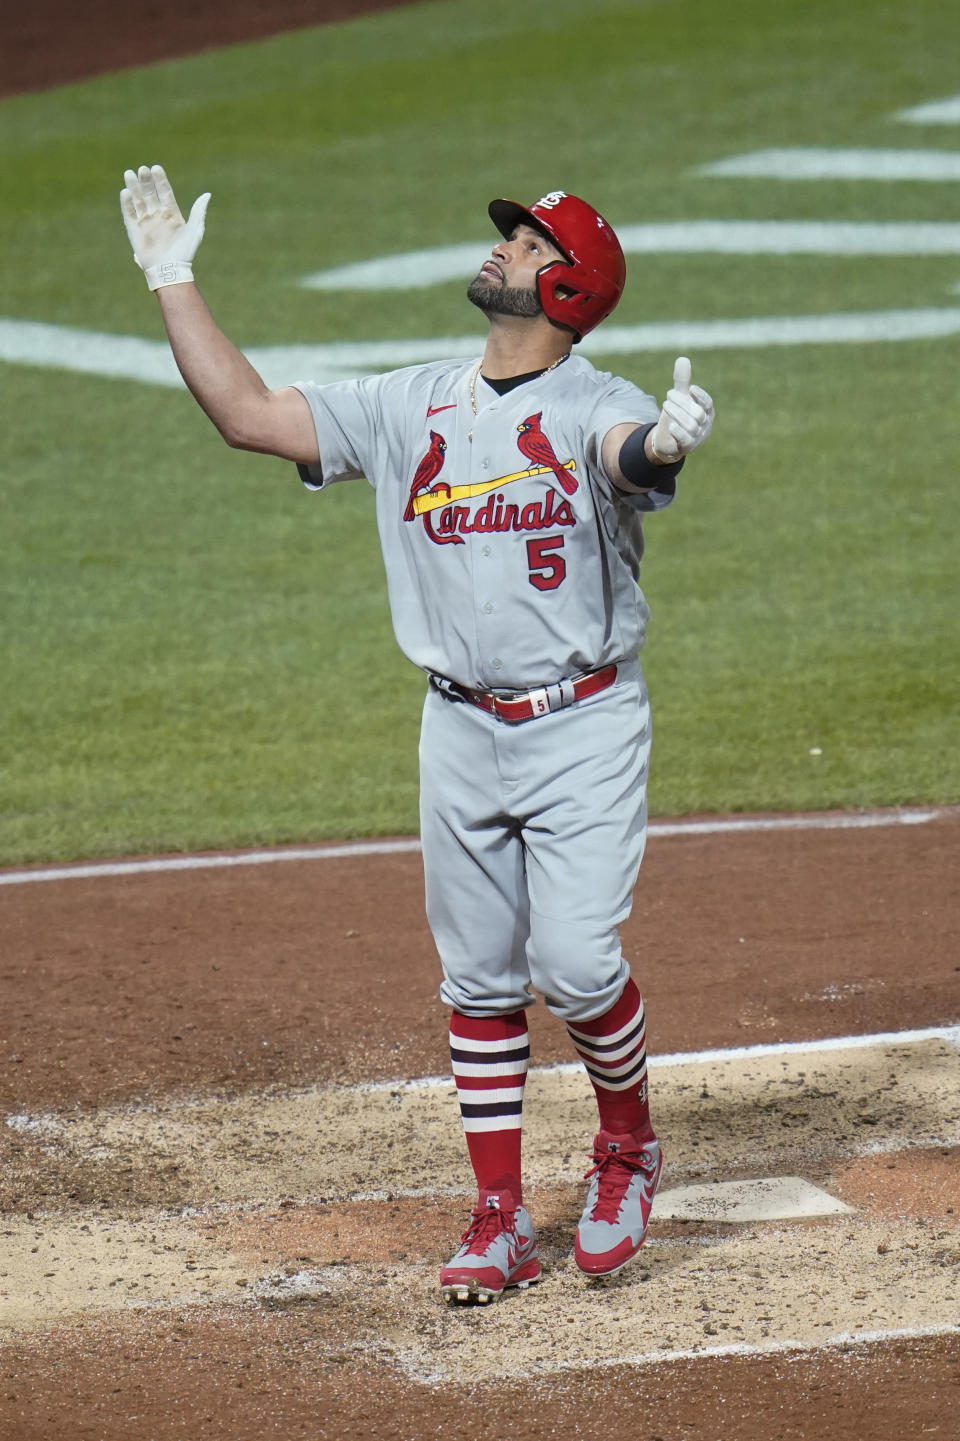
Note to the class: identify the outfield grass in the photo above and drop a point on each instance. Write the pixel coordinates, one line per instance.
(197, 653)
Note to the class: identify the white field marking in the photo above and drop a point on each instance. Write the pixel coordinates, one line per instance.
(266, 1146)
(934, 112)
(866, 820)
(49, 1125)
(829, 163)
(655, 830)
(841, 1340)
(950, 1034)
(242, 1153)
(149, 361)
(199, 863)
(416, 269)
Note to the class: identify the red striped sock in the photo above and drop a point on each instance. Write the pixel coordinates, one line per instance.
(613, 1048)
(490, 1056)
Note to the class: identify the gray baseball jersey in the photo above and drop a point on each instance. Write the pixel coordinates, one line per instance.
(511, 559)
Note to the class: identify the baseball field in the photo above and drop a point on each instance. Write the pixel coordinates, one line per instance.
(231, 1160)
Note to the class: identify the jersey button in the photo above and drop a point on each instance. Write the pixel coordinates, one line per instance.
(488, 608)
(497, 663)
(485, 464)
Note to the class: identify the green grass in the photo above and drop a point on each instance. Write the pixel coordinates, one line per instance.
(826, 615)
(197, 653)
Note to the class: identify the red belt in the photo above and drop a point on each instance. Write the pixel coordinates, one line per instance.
(532, 703)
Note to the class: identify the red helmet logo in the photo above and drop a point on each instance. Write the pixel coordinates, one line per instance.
(584, 291)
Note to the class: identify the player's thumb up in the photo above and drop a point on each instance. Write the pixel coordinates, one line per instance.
(665, 443)
(686, 418)
(682, 372)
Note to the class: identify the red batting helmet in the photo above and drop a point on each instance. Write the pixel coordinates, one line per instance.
(583, 292)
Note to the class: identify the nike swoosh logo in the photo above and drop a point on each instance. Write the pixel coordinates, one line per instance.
(436, 409)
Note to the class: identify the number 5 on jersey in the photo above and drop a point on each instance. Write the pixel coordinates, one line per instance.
(547, 570)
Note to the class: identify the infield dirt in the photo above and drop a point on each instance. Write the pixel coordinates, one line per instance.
(225, 1208)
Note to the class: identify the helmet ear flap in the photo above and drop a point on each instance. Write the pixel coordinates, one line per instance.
(561, 290)
(560, 300)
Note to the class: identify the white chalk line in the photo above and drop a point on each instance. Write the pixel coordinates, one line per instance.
(50, 1125)
(307, 1282)
(950, 1034)
(866, 820)
(841, 1341)
(201, 863)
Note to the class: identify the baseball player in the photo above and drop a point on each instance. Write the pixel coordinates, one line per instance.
(510, 491)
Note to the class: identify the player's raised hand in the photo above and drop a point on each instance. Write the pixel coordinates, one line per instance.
(686, 418)
(164, 244)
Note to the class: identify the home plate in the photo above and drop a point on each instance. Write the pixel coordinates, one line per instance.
(780, 1198)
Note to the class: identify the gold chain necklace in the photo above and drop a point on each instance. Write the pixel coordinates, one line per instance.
(476, 376)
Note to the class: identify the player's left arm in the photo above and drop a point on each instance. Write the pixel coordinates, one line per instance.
(634, 454)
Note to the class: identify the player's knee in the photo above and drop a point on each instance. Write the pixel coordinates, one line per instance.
(499, 986)
(479, 997)
(579, 970)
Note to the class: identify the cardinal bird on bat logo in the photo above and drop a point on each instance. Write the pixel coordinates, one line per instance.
(532, 443)
(427, 471)
(446, 521)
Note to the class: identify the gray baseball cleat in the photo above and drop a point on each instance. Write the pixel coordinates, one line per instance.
(497, 1251)
(626, 1173)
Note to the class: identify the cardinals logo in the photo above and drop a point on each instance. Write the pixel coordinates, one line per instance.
(427, 471)
(446, 522)
(535, 446)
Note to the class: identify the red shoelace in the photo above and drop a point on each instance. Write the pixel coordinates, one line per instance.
(616, 1169)
(487, 1223)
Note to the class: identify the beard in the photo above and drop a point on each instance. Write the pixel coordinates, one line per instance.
(503, 299)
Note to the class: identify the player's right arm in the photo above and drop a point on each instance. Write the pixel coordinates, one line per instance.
(246, 412)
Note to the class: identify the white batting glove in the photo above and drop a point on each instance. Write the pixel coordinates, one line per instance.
(164, 244)
(686, 418)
